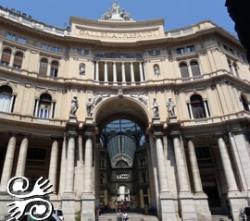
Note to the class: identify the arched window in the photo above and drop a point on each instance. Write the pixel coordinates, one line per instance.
(82, 69)
(245, 102)
(18, 60)
(6, 55)
(195, 68)
(43, 67)
(184, 70)
(6, 99)
(54, 69)
(199, 107)
(44, 107)
(157, 69)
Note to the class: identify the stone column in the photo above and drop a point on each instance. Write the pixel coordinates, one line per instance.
(88, 165)
(80, 149)
(153, 174)
(63, 166)
(206, 108)
(227, 166)
(97, 71)
(239, 146)
(190, 111)
(201, 202)
(141, 198)
(20, 171)
(187, 203)
(106, 197)
(141, 72)
(194, 168)
(166, 201)
(51, 112)
(161, 165)
(12, 57)
(88, 197)
(8, 163)
(114, 73)
(132, 73)
(106, 73)
(68, 197)
(123, 73)
(69, 183)
(79, 169)
(181, 166)
(236, 199)
(53, 165)
(37, 101)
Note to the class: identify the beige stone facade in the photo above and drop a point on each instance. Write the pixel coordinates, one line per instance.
(187, 90)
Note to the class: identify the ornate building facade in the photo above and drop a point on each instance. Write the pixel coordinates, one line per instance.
(118, 111)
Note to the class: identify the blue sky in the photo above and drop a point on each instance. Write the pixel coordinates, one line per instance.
(177, 13)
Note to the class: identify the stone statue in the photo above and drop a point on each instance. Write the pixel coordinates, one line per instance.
(89, 107)
(170, 107)
(155, 108)
(74, 106)
(116, 13)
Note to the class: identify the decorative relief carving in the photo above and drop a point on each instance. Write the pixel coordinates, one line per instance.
(142, 98)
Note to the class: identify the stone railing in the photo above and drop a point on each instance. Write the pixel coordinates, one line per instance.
(216, 119)
(29, 22)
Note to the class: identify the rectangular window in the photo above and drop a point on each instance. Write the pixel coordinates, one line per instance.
(22, 40)
(180, 50)
(13, 37)
(184, 50)
(82, 51)
(51, 48)
(190, 48)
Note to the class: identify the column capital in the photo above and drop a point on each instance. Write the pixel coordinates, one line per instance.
(72, 128)
(89, 130)
(157, 129)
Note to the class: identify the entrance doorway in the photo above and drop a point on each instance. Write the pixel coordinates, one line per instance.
(123, 171)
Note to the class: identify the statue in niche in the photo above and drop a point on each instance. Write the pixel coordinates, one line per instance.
(155, 108)
(74, 106)
(89, 107)
(170, 107)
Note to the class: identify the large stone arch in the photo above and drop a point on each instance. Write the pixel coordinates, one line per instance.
(121, 107)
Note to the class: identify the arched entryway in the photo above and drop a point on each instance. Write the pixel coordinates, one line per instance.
(122, 159)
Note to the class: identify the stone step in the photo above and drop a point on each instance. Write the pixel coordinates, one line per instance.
(220, 218)
(131, 216)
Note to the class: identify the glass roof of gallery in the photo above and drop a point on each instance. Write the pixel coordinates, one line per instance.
(121, 138)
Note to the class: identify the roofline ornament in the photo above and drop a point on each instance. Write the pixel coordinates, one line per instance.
(116, 13)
